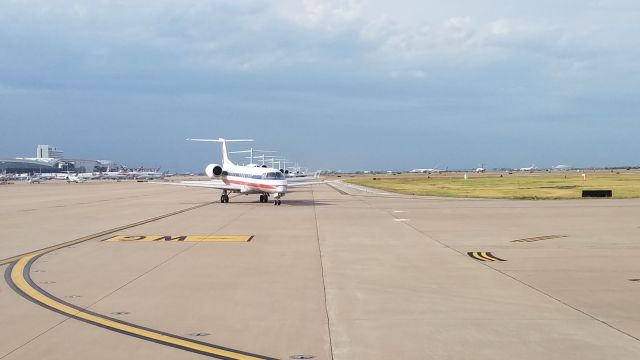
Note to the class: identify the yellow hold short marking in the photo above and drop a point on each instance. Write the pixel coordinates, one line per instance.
(181, 238)
(476, 255)
(484, 256)
(539, 238)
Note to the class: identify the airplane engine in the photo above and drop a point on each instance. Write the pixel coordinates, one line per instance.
(213, 170)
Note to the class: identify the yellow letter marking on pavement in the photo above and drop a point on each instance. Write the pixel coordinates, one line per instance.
(181, 238)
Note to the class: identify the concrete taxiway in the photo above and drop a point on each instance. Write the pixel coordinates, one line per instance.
(106, 270)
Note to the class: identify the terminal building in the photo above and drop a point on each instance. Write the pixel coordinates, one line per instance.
(51, 160)
(48, 152)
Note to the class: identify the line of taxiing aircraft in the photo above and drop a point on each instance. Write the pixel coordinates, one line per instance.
(246, 179)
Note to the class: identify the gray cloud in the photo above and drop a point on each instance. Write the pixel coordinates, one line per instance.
(463, 70)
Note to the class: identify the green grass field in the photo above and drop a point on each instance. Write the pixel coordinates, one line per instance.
(562, 185)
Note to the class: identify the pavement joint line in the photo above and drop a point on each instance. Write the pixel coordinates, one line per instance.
(484, 256)
(486, 263)
(324, 287)
(592, 317)
(231, 221)
(35, 337)
(336, 188)
(17, 275)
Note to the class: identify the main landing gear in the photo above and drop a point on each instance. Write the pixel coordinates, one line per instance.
(264, 198)
(224, 198)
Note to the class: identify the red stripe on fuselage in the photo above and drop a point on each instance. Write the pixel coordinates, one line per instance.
(241, 182)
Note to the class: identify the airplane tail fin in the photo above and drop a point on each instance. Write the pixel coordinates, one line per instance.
(225, 155)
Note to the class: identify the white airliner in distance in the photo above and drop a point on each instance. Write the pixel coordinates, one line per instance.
(4, 177)
(562, 167)
(530, 168)
(480, 169)
(252, 179)
(75, 179)
(427, 171)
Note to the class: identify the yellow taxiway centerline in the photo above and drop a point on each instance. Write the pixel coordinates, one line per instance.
(19, 278)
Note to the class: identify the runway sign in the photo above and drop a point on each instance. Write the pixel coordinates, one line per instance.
(181, 238)
(484, 256)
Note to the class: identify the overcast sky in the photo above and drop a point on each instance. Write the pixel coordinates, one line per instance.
(333, 84)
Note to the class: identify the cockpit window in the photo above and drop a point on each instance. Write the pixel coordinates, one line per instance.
(274, 175)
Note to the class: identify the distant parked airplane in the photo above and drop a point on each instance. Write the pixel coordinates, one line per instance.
(34, 179)
(6, 177)
(427, 171)
(76, 179)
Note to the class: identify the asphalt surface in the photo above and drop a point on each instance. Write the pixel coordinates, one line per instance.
(107, 270)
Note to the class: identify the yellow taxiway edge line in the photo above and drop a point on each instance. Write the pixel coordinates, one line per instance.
(18, 276)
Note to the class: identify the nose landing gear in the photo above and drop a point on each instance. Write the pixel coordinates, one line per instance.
(224, 198)
(276, 202)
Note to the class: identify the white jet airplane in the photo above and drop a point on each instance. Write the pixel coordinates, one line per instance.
(146, 175)
(480, 169)
(75, 179)
(562, 167)
(34, 179)
(252, 179)
(427, 171)
(4, 177)
(530, 168)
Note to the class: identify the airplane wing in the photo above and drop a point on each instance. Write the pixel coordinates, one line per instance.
(291, 180)
(202, 184)
(307, 183)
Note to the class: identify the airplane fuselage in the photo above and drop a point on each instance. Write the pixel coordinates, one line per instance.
(255, 180)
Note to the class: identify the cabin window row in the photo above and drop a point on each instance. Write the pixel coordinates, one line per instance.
(271, 175)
